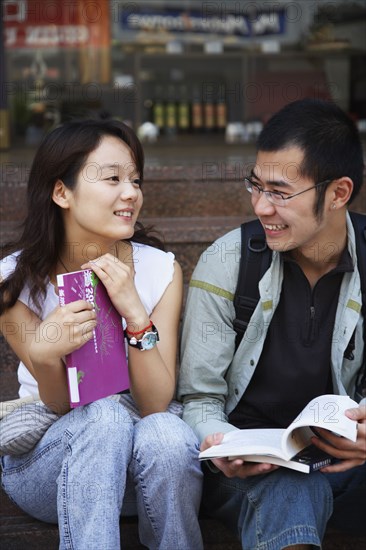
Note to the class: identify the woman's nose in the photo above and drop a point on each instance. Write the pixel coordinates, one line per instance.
(129, 191)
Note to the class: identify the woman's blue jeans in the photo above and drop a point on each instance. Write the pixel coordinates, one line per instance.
(99, 461)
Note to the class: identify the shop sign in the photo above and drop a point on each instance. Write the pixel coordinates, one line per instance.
(240, 24)
(37, 24)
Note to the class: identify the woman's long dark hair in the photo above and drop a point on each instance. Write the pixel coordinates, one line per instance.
(61, 155)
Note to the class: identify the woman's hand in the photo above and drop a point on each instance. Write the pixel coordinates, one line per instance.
(41, 345)
(66, 329)
(118, 279)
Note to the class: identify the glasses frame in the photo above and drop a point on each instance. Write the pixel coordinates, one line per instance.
(276, 197)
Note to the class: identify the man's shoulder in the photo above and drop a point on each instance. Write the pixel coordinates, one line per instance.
(223, 252)
(230, 241)
(219, 263)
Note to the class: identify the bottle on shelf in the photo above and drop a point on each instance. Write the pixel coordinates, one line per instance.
(209, 112)
(158, 111)
(221, 110)
(197, 111)
(183, 111)
(171, 112)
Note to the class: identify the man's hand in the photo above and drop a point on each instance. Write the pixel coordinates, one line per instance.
(350, 454)
(237, 467)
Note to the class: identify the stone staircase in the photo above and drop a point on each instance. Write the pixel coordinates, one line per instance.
(191, 212)
(191, 205)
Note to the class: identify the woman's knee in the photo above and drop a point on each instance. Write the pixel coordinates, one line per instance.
(101, 420)
(165, 433)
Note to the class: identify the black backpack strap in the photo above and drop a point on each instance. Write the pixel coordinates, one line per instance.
(359, 224)
(254, 262)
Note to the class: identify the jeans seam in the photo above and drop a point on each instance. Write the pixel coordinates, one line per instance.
(34, 458)
(306, 534)
(145, 498)
(65, 518)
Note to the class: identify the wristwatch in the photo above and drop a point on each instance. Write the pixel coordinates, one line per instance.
(148, 340)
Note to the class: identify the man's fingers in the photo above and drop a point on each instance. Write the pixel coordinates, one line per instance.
(210, 440)
(357, 413)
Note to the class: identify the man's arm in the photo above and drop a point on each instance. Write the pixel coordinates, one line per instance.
(208, 341)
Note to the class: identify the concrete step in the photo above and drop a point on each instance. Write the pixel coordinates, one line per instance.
(172, 198)
(200, 189)
(188, 237)
(19, 531)
(191, 207)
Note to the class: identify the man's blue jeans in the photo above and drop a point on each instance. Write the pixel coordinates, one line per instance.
(349, 491)
(98, 458)
(273, 511)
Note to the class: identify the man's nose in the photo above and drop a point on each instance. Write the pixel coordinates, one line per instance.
(262, 206)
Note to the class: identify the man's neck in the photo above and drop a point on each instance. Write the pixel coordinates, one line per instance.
(321, 257)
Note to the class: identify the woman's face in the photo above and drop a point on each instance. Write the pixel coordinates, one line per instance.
(104, 205)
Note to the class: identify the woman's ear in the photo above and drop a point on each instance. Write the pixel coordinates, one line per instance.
(342, 192)
(60, 194)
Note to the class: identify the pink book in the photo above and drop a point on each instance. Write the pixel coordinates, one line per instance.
(99, 368)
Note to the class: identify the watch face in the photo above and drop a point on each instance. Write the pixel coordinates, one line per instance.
(149, 340)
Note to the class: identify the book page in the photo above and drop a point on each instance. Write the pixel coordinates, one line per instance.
(325, 411)
(249, 441)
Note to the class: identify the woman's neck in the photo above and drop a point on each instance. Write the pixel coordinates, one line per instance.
(74, 255)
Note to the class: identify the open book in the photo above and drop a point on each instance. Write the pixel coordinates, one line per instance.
(99, 368)
(291, 447)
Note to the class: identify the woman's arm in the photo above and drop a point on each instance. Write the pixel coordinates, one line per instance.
(41, 345)
(152, 372)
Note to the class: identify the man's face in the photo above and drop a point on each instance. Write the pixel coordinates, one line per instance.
(293, 225)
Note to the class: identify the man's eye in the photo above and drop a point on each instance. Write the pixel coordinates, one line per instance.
(256, 187)
(278, 194)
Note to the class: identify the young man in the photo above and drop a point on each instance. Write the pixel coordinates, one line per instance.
(308, 169)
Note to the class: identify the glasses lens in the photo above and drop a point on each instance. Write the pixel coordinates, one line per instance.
(275, 199)
(248, 185)
(255, 190)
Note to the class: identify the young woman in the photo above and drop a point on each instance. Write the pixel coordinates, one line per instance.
(131, 455)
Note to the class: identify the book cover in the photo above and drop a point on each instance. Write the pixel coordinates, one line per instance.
(99, 368)
(290, 447)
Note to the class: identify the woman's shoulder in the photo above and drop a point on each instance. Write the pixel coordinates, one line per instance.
(149, 254)
(154, 270)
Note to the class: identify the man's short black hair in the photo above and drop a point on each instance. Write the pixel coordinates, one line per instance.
(328, 137)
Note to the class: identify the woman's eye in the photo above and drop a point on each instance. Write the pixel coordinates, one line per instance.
(113, 178)
(137, 181)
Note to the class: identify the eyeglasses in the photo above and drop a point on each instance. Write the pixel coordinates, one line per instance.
(275, 197)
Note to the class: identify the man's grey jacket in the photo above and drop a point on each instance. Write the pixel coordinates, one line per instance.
(212, 377)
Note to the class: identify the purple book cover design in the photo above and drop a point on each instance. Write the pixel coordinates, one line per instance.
(99, 368)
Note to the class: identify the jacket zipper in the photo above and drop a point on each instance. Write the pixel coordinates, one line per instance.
(311, 325)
